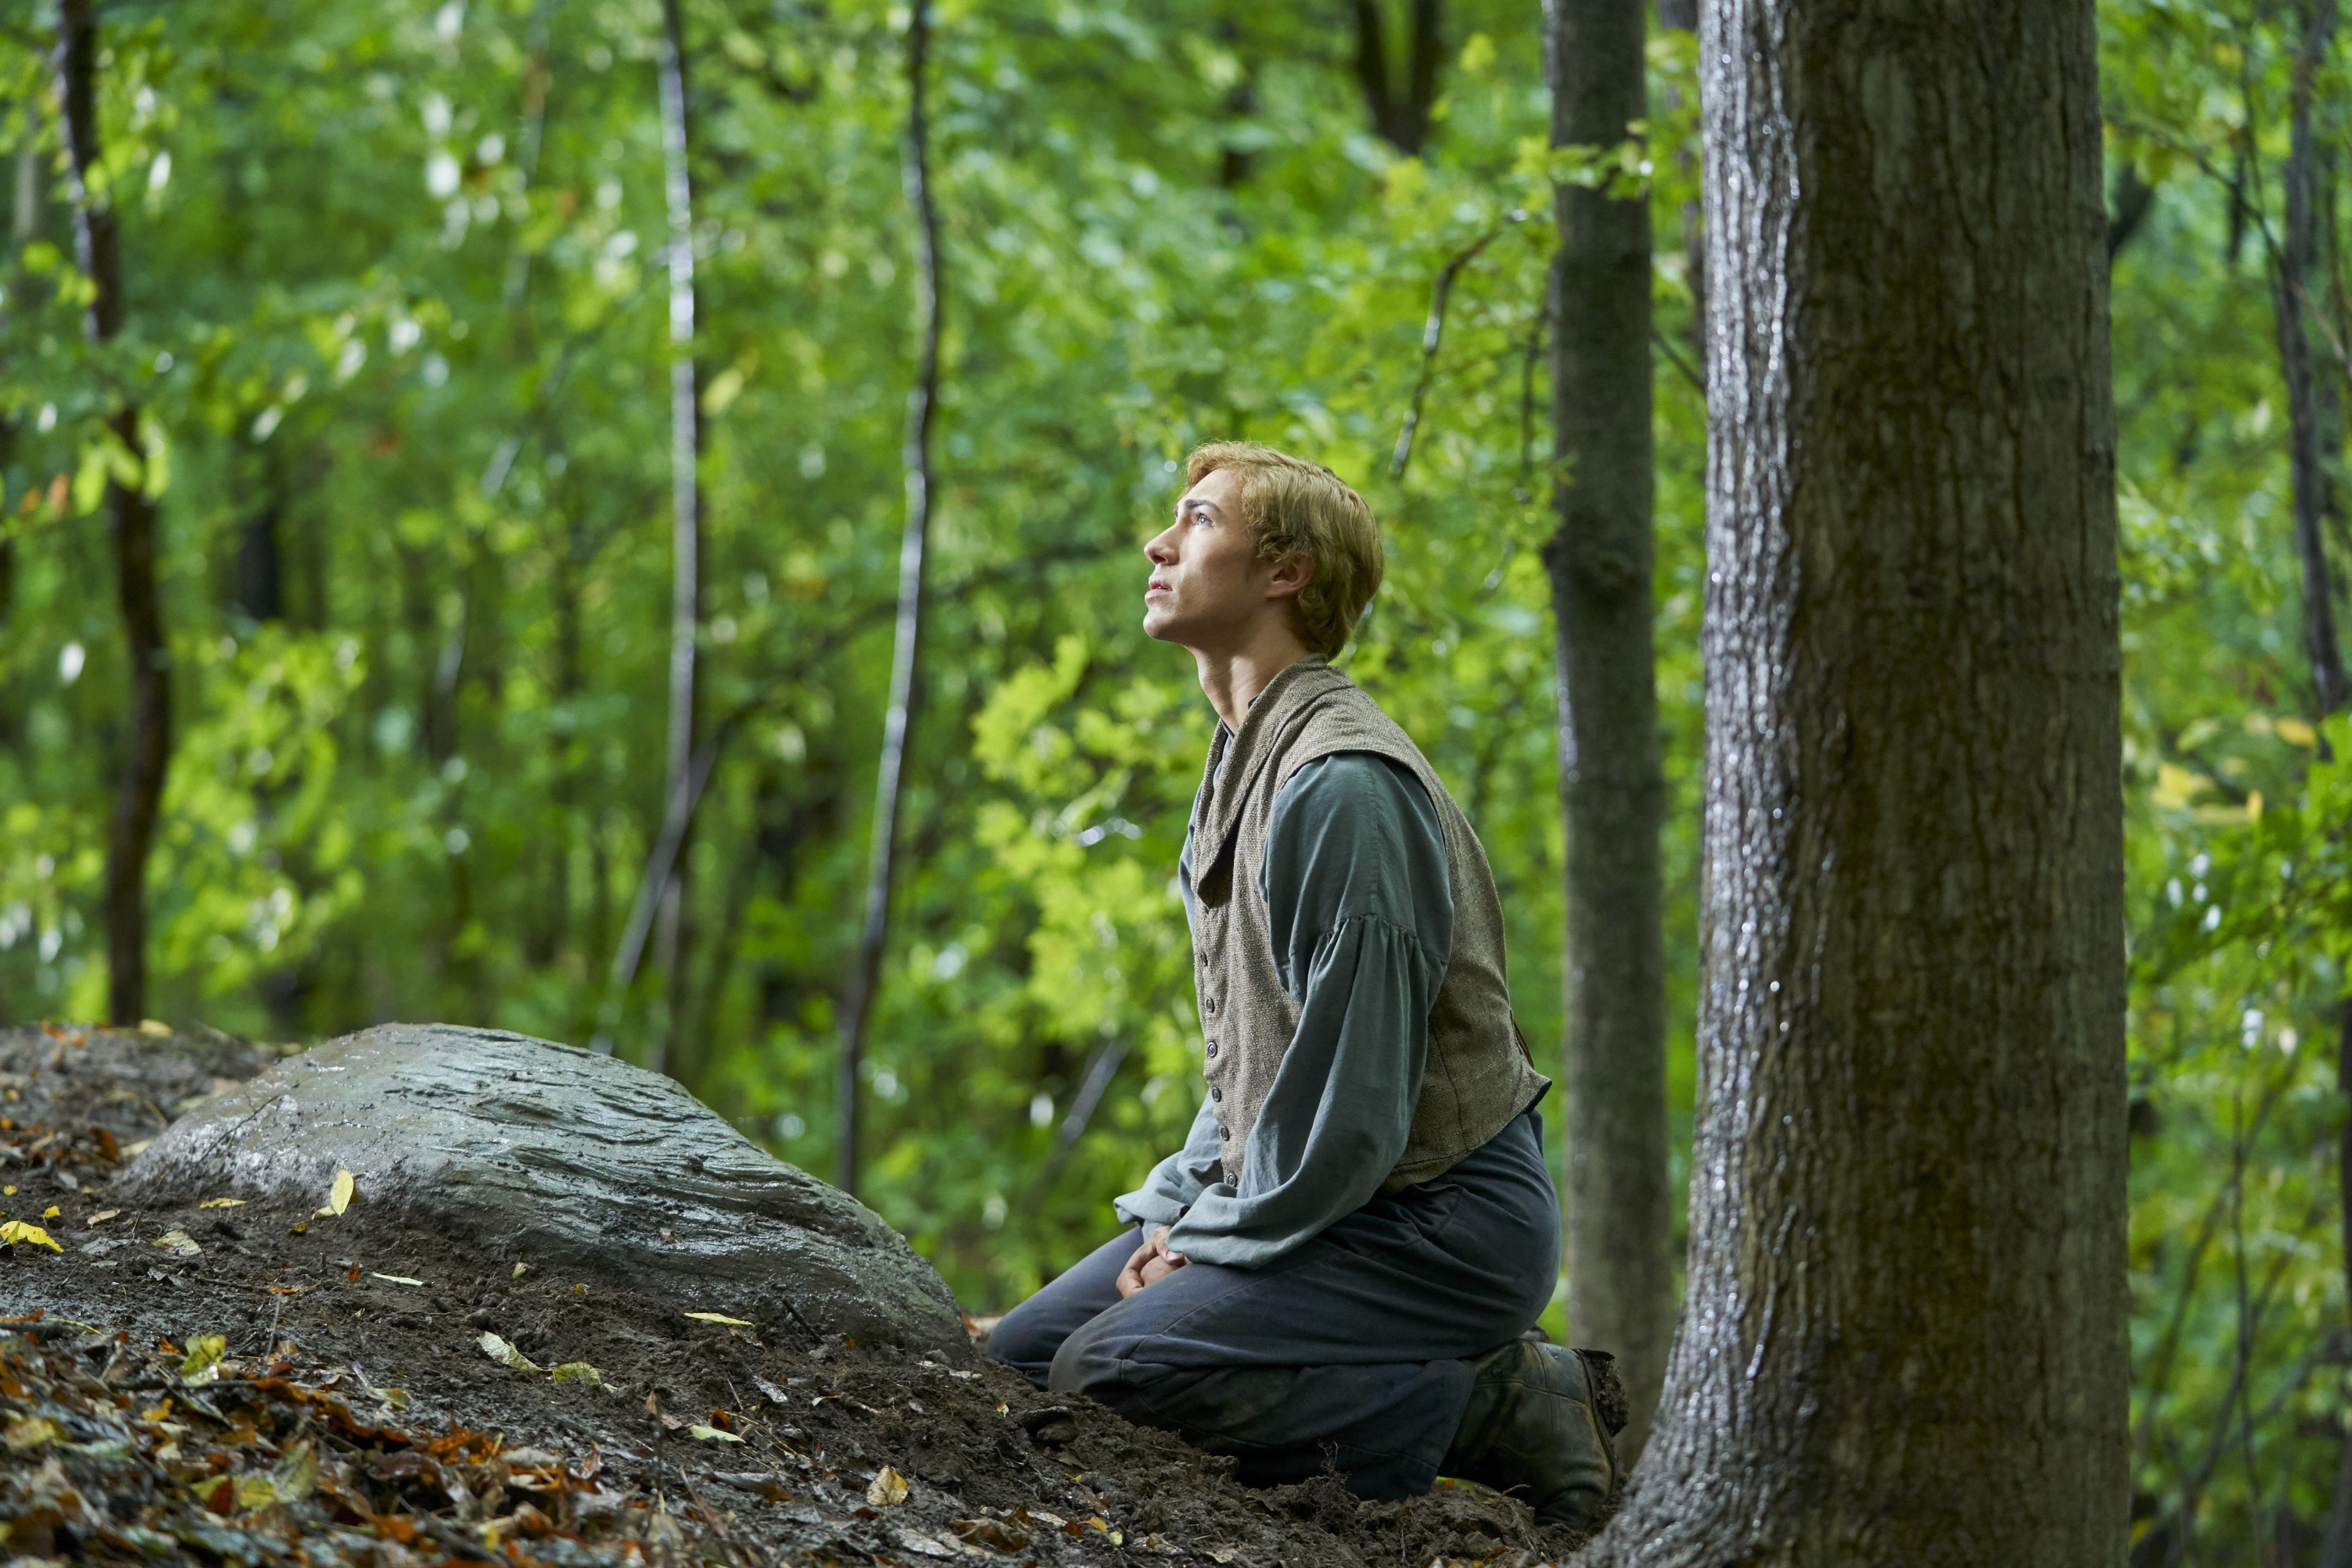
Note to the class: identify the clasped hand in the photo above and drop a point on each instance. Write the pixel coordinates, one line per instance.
(1152, 1262)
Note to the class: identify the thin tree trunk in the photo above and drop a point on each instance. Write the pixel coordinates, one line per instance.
(260, 571)
(2315, 433)
(1613, 788)
(2315, 436)
(1400, 113)
(1904, 1332)
(906, 685)
(131, 519)
(24, 225)
(685, 517)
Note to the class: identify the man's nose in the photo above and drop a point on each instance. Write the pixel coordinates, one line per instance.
(1158, 550)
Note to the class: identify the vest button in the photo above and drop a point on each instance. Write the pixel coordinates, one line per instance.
(1209, 1005)
(1223, 1136)
(1212, 1048)
(1215, 1093)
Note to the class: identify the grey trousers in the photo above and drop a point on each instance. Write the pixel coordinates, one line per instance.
(1350, 1353)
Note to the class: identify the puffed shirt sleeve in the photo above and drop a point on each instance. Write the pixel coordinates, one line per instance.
(1361, 916)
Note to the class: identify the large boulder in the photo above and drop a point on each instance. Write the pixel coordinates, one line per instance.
(566, 1159)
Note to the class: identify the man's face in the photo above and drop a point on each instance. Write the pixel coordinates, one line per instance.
(1208, 590)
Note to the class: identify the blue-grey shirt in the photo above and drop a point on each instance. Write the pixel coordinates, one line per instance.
(1361, 907)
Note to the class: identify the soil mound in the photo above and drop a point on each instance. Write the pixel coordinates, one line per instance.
(189, 1380)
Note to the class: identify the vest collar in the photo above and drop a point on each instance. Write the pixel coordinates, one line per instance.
(1273, 714)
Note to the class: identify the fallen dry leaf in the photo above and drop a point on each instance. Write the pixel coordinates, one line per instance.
(498, 1350)
(101, 1217)
(177, 1241)
(51, 1211)
(393, 1278)
(713, 1435)
(721, 1318)
(18, 1230)
(203, 1362)
(888, 1488)
(28, 1433)
(222, 1204)
(339, 1196)
(576, 1371)
(155, 1027)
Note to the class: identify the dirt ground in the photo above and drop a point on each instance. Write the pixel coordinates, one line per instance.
(186, 1381)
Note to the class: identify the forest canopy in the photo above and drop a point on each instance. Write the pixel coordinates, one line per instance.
(397, 368)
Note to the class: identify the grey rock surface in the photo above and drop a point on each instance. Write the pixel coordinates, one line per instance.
(518, 1148)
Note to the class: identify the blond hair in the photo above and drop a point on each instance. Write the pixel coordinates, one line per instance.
(1296, 508)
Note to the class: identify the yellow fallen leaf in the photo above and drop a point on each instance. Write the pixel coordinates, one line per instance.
(396, 1398)
(393, 1278)
(256, 1492)
(204, 1358)
(221, 1204)
(18, 1230)
(888, 1488)
(51, 1211)
(713, 1435)
(155, 1412)
(156, 1028)
(576, 1371)
(720, 1318)
(339, 1196)
(29, 1432)
(131, 1151)
(178, 1241)
(297, 1474)
(101, 1217)
(498, 1350)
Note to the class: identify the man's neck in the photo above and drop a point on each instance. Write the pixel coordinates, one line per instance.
(1233, 678)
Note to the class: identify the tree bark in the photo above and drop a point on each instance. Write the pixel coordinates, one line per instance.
(1613, 788)
(906, 685)
(131, 522)
(1903, 1332)
(686, 519)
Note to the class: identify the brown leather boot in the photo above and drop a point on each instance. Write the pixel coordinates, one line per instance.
(1538, 1426)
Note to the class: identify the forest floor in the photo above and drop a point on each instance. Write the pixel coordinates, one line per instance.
(182, 1379)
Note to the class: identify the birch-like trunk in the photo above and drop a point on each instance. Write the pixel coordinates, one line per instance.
(906, 660)
(685, 528)
(1902, 1337)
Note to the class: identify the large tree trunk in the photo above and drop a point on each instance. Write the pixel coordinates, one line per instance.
(906, 682)
(130, 521)
(1904, 1332)
(686, 521)
(1619, 1273)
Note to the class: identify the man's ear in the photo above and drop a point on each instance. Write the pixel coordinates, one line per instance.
(1291, 574)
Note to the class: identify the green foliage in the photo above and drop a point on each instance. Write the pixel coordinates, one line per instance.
(397, 322)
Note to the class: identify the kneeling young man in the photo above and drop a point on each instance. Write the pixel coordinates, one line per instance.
(1337, 1267)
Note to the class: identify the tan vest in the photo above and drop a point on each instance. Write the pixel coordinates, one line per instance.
(1480, 1074)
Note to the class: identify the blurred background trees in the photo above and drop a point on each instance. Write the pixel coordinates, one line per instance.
(395, 368)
